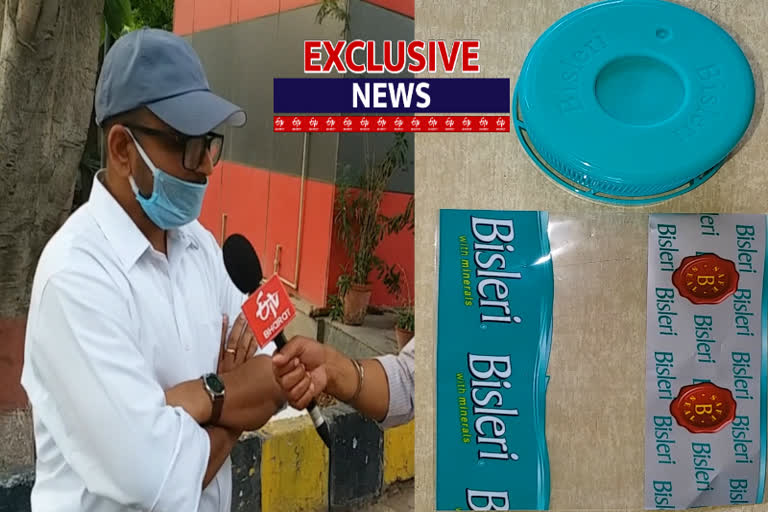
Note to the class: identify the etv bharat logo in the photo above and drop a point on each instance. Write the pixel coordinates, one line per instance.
(500, 122)
(330, 122)
(483, 122)
(313, 122)
(347, 122)
(279, 122)
(381, 122)
(398, 122)
(267, 305)
(432, 122)
(296, 122)
(268, 310)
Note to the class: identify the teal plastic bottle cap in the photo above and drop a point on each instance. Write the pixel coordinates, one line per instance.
(633, 101)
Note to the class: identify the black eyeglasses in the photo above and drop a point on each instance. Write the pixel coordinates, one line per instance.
(195, 147)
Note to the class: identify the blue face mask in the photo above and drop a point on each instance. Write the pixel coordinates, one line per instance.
(173, 202)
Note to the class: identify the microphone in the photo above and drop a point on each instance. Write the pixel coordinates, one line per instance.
(244, 268)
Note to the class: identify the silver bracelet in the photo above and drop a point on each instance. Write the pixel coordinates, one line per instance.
(360, 377)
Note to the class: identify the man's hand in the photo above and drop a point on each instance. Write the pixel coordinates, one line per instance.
(238, 348)
(300, 370)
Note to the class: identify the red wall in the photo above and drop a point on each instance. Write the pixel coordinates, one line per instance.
(405, 7)
(196, 15)
(264, 206)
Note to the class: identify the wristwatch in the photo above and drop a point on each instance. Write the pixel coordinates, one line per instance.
(215, 389)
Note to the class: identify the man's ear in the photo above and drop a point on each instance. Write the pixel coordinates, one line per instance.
(119, 150)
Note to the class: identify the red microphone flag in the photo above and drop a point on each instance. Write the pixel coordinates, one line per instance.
(268, 310)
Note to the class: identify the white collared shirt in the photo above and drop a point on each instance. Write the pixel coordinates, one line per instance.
(112, 324)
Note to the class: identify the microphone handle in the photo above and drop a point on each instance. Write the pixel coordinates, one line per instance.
(314, 411)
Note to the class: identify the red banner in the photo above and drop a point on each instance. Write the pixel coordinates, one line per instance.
(373, 124)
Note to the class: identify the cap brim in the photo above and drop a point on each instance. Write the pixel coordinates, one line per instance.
(197, 112)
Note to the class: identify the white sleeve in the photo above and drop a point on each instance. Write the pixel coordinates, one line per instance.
(400, 376)
(101, 404)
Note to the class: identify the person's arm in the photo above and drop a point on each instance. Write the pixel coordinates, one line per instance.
(223, 440)
(383, 390)
(343, 382)
(251, 396)
(387, 390)
(102, 405)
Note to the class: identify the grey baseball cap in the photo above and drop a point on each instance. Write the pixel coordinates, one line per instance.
(161, 71)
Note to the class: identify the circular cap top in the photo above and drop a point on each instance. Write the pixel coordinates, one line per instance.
(703, 408)
(706, 279)
(634, 97)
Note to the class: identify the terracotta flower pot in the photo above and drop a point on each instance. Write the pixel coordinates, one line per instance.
(356, 302)
(403, 337)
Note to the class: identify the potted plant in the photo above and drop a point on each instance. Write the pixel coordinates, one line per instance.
(361, 227)
(404, 324)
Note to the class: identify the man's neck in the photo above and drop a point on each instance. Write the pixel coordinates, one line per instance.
(125, 197)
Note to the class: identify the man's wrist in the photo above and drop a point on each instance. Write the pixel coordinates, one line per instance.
(342, 374)
(216, 390)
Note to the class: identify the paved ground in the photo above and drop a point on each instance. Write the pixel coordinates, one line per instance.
(397, 498)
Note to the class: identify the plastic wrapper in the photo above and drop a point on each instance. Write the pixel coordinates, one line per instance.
(572, 370)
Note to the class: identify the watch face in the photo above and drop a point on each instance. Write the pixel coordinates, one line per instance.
(214, 383)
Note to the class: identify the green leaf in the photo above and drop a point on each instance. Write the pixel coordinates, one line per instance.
(118, 15)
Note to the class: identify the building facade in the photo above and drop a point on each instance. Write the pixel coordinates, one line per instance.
(279, 189)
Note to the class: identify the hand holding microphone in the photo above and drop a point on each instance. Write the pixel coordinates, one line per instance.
(244, 269)
(311, 356)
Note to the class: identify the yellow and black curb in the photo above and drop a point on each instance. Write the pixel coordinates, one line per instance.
(285, 467)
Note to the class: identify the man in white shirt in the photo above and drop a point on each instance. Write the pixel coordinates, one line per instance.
(381, 388)
(125, 333)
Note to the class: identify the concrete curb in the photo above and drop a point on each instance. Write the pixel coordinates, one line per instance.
(284, 467)
(14, 491)
(299, 474)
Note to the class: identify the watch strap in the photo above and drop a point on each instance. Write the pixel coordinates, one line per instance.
(217, 399)
(218, 405)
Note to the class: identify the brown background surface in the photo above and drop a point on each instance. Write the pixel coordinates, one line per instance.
(595, 401)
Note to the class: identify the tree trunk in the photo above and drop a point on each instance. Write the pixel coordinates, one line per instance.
(48, 62)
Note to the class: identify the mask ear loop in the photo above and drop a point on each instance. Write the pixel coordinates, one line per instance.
(149, 163)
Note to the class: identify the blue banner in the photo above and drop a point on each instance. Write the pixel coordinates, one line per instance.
(391, 95)
(494, 329)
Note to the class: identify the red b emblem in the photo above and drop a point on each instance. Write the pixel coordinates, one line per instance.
(703, 408)
(706, 279)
